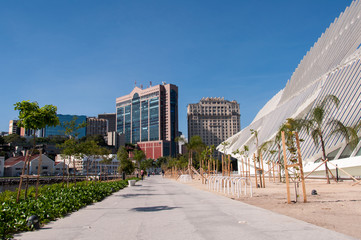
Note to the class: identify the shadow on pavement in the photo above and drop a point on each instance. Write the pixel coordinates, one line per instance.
(152, 209)
(138, 195)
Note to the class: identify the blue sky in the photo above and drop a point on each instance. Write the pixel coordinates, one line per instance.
(81, 55)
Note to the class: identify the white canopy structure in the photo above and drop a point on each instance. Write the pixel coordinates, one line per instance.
(331, 66)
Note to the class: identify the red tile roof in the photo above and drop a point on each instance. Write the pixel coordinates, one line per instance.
(14, 160)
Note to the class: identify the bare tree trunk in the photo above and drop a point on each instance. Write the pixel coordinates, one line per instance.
(74, 171)
(324, 157)
(67, 173)
(22, 173)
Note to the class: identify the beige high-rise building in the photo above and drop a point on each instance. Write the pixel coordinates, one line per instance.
(13, 128)
(213, 119)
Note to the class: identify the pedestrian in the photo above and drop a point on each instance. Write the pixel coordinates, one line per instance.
(162, 173)
(142, 173)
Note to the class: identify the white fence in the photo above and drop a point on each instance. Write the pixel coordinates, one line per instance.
(185, 178)
(230, 185)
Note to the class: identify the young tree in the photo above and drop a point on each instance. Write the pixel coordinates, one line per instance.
(139, 156)
(71, 146)
(32, 117)
(224, 160)
(125, 165)
(194, 144)
(316, 122)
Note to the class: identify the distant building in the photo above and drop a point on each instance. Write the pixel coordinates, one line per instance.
(2, 159)
(115, 139)
(60, 168)
(60, 129)
(96, 126)
(213, 119)
(149, 117)
(13, 127)
(111, 117)
(4, 134)
(13, 166)
(90, 165)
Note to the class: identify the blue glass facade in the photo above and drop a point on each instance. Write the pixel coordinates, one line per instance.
(60, 129)
(135, 118)
(150, 115)
(154, 119)
(145, 118)
(127, 123)
(120, 120)
(139, 119)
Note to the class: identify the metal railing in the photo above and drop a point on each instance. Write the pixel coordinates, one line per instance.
(230, 185)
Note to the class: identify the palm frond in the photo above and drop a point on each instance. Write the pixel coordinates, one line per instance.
(315, 136)
(330, 99)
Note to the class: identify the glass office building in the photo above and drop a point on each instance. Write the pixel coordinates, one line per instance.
(60, 129)
(149, 117)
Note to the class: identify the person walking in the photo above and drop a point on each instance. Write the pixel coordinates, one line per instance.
(142, 173)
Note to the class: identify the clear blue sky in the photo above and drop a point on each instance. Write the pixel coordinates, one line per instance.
(81, 55)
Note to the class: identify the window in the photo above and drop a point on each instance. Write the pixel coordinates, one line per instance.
(358, 152)
(346, 153)
(332, 154)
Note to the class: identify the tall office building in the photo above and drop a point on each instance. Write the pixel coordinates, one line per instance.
(149, 117)
(60, 129)
(96, 126)
(213, 119)
(111, 117)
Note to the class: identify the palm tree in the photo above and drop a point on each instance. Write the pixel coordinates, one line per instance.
(350, 133)
(194, 145)
(316, 122)
(139, 156)
(224, 161)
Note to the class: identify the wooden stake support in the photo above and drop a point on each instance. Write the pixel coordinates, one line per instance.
(255, 169)
(264, 182)
(299, 164)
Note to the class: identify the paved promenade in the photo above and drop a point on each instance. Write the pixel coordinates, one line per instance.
(157, 209)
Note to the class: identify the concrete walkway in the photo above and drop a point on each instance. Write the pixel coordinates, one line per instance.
(157, 209)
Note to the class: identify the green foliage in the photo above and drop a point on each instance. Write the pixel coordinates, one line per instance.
(161, 161)
(126, 165)
(15, 139)
(31, 116)
(139, 156)
(54, 201)
(99, 139)
(71, 127)
(350, 133)
(147, 163)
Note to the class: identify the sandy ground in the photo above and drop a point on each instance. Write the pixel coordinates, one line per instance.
(337, 206)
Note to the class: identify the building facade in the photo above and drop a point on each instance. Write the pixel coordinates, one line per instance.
(13, 128)
(60, 129)
(2, 160)
(149, 117)
(13, 166)
(331, 66)
(112, 118)
(96, 126)
(213, 119)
